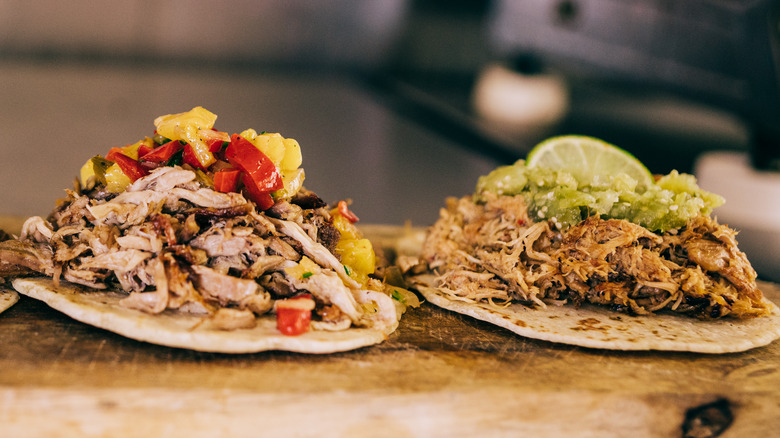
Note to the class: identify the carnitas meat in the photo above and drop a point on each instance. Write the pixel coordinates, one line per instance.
(168, 242)
(492, 251)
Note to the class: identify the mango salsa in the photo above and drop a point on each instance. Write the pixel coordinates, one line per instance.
(357, 254)
(266, 167)
(186, 127)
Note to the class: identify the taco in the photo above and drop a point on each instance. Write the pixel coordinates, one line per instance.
(580, 244)
(198, 239)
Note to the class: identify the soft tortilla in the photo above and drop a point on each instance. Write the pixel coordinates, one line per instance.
(593, 327)
(101, 309)
(8, 298)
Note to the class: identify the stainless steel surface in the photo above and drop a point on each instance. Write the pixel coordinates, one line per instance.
(749, 206)
(54, 117)
(723, 53)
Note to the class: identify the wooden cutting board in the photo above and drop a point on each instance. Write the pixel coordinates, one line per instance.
(440, 374)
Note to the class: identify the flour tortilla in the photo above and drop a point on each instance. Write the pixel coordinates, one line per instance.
(175, 329)
(595, 327)
(8, 298)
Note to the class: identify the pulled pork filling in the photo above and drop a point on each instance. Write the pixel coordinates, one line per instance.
(492, 251)
(170, 243)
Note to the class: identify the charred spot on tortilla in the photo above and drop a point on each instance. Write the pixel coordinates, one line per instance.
(199, 239)
(589, 324)
(597, 262)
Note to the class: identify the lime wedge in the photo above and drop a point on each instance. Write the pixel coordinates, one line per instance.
(590, 160)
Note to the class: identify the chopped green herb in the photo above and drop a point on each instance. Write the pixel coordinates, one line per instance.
(397, 296)
(306, 275)
(176, 159)
(159, 139)
(346, 269)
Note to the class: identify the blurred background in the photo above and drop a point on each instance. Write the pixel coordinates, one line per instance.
(400, 103)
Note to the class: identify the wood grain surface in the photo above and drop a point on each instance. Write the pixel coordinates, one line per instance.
(440, 374)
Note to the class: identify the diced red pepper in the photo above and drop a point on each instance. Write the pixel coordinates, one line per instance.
(111, 155)
(242, 154)
(226, 180)
(144, 149)
(162, 153)
(260, 174)
(190, 158)
(214, 139)
(201, 150)
(263, 200)
(200, 153)
(215, 145)
(293, 322)
(129, 166)
(344, 211)
(293, 315)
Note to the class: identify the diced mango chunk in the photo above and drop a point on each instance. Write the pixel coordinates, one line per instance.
(271, 144)
(173, 126)
(359, 254)
(292, 155)
(347, 229)
(131, 150)
(187, 127)
(116, 180)
(293, 181)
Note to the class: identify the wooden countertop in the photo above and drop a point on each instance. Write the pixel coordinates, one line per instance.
(440, 374)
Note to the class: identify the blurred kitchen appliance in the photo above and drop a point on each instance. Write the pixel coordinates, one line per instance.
(725, 53)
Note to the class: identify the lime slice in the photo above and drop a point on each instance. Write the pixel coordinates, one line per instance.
(590, 160)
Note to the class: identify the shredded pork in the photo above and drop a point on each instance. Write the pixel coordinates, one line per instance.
(170, 243)
(493, 252)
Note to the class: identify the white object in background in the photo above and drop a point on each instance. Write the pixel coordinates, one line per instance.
(517, 101)
(752, 206)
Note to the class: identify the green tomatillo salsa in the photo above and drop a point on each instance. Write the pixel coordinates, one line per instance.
(556, 195)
